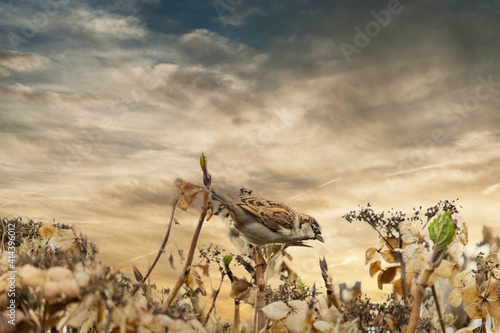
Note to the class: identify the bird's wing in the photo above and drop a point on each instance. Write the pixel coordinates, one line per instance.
(273, 214)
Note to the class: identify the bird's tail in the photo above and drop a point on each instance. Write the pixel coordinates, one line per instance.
(222, 199)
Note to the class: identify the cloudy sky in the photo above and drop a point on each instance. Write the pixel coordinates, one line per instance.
(105, 103)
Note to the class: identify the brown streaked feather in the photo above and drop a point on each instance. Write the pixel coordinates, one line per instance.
(273, 214)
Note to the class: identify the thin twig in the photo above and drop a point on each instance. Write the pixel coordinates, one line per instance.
(108, 323)
(438, 308)
(330, 290)
(403, 272)
(236, 319)
(216, 293)
(260, 270)
(165, 240)
(187, 265)
(160, 251)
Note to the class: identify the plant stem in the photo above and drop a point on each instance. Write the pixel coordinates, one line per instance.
(330, 290)
(187, 265)
(165, 240)
(422, 283)
(236, 320)
(261, 293)
(403, 272)
(216, 293)
(415, 310)
(161, 250)
(438, 308)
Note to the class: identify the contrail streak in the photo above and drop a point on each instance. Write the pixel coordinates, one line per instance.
(138, 257)
(331, 181)
(416, 169)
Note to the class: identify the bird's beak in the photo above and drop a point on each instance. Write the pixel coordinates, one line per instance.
(320, 238)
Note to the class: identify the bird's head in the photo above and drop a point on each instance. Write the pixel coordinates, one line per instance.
(310, 228)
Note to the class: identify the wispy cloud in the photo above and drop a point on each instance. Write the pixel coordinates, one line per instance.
(14, 61)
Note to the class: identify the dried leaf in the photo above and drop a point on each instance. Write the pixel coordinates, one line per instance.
(462, 234)
(210, 211)
(456, 250)
(356, 290)
(80, 313)
(296, 321)
(389, 274)
(494, 308)
(390, 322)
(189, 192)
(386, 276)
(137, 274)
(496, 273)
(324, 270)
(471, 294)
(181, 255)
(398, 286)
(252, 296)
(455, 297)
(190, 282)
(171, 261)
(47, 231)
(390, 243)
(410, 231)
(206, 269)
(65, 244)
(445, 269)
(488, 235)
(276, 310)
(240, 289)
(377, 321)
(477, 310)
(375, 267)
(288, 274)
(286, 255)
(369, 254)
(464, 278)
(277, 326)
(322, 326)
(390, 256)
(193, 281)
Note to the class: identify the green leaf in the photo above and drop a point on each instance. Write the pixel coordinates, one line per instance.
(203, 161)
(442, 231)
(300, 284)
(227, 260)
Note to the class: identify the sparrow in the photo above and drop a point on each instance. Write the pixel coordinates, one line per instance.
(263, 221)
